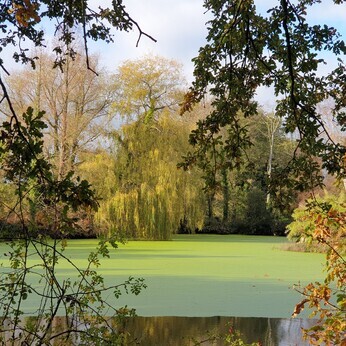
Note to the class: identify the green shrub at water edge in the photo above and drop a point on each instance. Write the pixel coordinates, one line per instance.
(303, 226)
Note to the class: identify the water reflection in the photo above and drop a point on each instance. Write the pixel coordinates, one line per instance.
(173, 331)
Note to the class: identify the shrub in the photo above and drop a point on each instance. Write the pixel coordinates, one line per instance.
(327, 299)
(304, 222)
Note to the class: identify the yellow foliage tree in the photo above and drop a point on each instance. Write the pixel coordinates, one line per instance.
(152, 194)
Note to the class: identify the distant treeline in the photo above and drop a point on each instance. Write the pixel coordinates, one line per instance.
(124, 134)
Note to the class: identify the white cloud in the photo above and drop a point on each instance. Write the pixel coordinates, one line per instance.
(178, 27)
(180, 30)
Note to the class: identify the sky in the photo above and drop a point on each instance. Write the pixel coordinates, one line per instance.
(180, 30)
(177, 25)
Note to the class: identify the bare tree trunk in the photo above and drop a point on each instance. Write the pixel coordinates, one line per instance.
(269, 166)
(273, 123)
(64, 123)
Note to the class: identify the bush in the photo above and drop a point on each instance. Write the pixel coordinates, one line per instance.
(327, 299)
(304, 222)
(184, 227)
(9, 230)
(257, 216)
(215, 225)
(258, 219)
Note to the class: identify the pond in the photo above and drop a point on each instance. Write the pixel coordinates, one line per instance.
(196, 276)
(191, 331)
(173, 331)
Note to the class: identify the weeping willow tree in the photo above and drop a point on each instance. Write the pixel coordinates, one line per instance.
(152, 196)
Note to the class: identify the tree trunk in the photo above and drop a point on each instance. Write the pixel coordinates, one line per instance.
(210, 201)
(225, 190)
(64, 116)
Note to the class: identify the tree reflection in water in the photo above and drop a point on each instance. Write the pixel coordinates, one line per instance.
(172, 331)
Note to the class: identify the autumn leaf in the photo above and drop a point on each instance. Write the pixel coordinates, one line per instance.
(299, 307)
(26, 13)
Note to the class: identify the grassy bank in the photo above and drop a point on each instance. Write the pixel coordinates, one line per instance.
(206, 275)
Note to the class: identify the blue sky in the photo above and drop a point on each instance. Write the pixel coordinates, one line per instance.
(179, 27)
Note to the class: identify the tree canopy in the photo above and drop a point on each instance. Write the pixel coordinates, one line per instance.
(76, 104)
(147, 87)
(27, 169)
(247, 49)
(19, 22)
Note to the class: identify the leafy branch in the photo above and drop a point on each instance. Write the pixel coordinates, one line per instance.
(82, 299)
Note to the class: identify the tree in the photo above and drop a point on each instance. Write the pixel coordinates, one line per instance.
(272, 124)
(151, 196)
(148, 87)
(209, 157)
(327, 299)
(20, 22)
(246, 50)
(27, 168)
(76, 102)
(243, 183)
(266, 159)
(99, 168)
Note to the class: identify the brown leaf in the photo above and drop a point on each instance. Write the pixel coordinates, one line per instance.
(299, 307)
